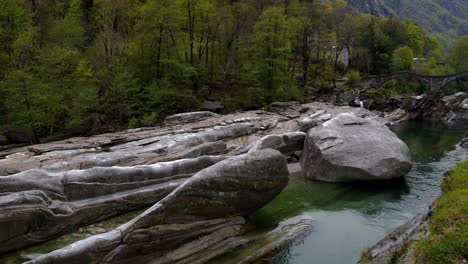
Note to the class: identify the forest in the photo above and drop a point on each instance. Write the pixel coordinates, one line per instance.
(80, 67)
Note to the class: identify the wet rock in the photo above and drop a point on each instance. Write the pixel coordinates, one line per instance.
(206, 207)
(348, 148)
(286, 143)
(38, 205)
(184, 118)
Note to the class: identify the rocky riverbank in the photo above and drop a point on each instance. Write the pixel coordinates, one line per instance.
(431, 106)
(439, 229)
(202, 173)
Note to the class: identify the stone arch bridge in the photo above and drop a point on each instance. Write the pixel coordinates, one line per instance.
(433, 82)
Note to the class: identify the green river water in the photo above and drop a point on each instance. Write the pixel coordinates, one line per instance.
(349, 218)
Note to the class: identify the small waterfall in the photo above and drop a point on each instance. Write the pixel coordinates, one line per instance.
(361, 103)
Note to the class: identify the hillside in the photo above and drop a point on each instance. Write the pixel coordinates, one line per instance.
(446, 19)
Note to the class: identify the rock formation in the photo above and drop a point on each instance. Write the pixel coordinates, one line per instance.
(53, 188)
(37, 205)
(434, 106)
(348, 148)
(209, 204)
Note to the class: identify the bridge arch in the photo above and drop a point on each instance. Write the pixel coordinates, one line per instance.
(434, 82)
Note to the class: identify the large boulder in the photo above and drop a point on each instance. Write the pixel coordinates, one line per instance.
(236, 186)
(207, 207)
(348, 148)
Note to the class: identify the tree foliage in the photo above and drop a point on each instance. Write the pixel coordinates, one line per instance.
(101, 65)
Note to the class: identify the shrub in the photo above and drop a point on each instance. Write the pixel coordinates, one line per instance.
(353, 78)
(165, 100)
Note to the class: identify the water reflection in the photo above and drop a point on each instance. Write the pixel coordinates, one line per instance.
(302, 195)
(430, 141)
(353, 217)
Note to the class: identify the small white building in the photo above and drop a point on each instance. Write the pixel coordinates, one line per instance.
(343, 56)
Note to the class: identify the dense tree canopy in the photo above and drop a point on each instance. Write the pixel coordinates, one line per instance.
(93, 66)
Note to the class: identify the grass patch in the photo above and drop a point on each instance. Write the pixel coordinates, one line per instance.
(366, 256)
(448, 239)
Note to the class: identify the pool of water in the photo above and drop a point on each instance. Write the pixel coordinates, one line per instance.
(351, 218)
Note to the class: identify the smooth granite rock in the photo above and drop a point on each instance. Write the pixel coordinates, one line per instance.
(210, 202)
(348, 148)
(189, 117)
(37, 205)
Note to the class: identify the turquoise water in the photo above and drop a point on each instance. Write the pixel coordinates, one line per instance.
(351, 218)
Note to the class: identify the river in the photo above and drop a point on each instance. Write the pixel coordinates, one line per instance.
(348, 218)
(351, 218)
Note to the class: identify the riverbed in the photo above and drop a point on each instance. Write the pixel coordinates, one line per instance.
(348, 218)
(351, 218)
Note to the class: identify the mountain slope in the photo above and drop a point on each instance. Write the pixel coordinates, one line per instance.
(447, 19)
